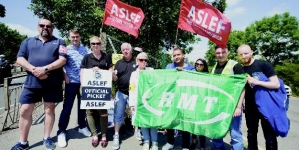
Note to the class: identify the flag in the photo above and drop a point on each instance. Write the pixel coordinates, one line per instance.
(123, 16)
(200, 103)
(204, 19)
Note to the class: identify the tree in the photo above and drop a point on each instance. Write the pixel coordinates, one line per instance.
(10, 41)
(2, 11)
(157, 33)
(276, 38)
(289, 72)
(236, 38)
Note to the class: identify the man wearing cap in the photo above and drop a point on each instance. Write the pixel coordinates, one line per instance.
(230, 67)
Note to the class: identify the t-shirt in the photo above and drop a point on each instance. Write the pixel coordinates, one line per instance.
(73, 62)
(258, 66)
(238, 69)
(124, 70)
(187, 66)
(39, 54)
(90, 61)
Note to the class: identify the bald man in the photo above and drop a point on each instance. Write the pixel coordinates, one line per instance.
(43, 57)
(254, 67)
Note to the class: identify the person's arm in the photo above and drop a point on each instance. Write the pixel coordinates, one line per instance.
(238, 110)
(272, 84)
(25, 64)
(81, 74)
(132, 91)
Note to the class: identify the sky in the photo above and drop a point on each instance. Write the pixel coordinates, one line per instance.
(240, 12)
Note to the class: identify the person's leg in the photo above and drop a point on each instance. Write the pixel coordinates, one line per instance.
(25, 121)
(49, 118)
(252, 123)
(218, 144)
(269, 134)
(146, 134)
(154, 134)
(69, 97)
(104, 125)
(170, 140)
(185, 139)
(92, 126)
(119, 110)
(236, 133)
(193, 142)
(202, 140)
(81, 112)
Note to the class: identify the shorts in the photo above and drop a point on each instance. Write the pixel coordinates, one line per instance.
(34, 95)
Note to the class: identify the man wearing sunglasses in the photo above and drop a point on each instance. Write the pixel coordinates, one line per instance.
(43, 57)
(75, 54)
(230, 67)
(179, 63)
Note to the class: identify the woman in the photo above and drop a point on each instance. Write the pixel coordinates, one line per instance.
(97, 60)
(200, 66)
(149, 134)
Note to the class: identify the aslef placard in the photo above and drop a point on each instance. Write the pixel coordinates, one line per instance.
(96, 89)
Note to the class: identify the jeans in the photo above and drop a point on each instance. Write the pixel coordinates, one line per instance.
(121, 101)
(185, 138)
(71, 91)
(252, 123)
(150, 134)
(236, 136)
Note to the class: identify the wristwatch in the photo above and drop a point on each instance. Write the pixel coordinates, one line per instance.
(46, 69)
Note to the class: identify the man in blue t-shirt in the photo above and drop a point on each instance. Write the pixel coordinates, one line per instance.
(179, 64)
(75, 54)
(43, 57)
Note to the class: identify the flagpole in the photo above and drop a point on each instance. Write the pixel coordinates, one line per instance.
(176, 36)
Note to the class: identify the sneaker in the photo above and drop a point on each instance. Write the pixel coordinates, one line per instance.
(61, 140)
(85, 131)
(145, 146)
(185, 149)
(167, 146)
(20, 146)
(49, 144)
(155, 146)
(138, 135)
(115, 144)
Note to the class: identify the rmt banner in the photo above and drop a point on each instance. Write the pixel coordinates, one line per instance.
(96, 89)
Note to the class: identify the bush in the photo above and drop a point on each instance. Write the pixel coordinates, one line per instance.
(289, 73)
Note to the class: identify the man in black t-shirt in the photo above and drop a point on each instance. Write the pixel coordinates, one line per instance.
(254, 67)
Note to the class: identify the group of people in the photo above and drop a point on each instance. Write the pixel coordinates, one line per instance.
(49, 62)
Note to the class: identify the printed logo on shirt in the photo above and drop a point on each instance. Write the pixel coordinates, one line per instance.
(132, 87)
(62, 49)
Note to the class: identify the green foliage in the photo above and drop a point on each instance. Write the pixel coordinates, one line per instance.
(10, 41)
(289, 72)
(157, 32)
(2, 11)
(276, 38)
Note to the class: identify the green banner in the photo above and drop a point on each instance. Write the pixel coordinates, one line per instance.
(199, 103)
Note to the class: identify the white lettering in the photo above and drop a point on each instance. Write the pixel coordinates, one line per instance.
(167, 98)
(209, 100)
(212, 23)
(199, 13)
(203, 24)
(220, 27)
(122, 13)
(114, 10)
(185, 102)
(192, 13)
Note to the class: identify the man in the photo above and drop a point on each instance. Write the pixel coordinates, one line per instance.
(253, 67)
(43, 57)
(230, 67)
(179, 64)
(122, 74)
(75, 54)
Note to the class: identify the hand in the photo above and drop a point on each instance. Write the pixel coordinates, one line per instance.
(252, 81)
(43, 77)
(39, 71)
(132, 109)
(238, 112)
(95, 68)
(179, 68)
(66, 79)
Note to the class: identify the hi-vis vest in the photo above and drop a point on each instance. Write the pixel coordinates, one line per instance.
(228, 69)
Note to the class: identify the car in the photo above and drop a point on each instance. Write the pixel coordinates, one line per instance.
(289, 90)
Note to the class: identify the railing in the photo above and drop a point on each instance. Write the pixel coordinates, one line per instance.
(11, 114)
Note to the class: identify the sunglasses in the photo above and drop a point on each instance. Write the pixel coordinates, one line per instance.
(142, 60)
(43, 25)
(198, 64)
(98, 43)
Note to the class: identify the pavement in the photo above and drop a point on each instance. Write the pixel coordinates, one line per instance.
(77, 141)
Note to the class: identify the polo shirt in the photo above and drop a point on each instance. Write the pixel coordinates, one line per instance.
(74, 58)
(90, 61)
(39, 54)
(187, 66)
(124, 70)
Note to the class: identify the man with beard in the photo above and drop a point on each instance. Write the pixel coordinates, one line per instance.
(230, 67)
(43, 57)
(179, 64)
(75, 54)
(254, 67)
(122, 74)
